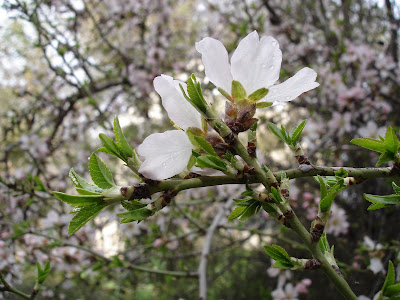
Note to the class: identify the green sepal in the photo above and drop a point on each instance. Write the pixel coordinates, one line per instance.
(281, 257)
(206, 146)
(258, 95)
(83, 216)
(42, 273)
(137, 214)
(391, 142)
(296, 132)
(225, 94)
(238, 93)
(263, 104)
(371, 144)
(79, 200)
(213, 162)
(99, 172)
(121, 141)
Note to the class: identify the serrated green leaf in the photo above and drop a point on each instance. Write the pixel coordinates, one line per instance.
(391, 141)
(83, 216)
(263, 104)
(326, 202)
(79, 200)
(279, 254)
(390, 277)
(269, 207)
(275, 130)
(282, 265)
(387, 199)
(250, 211)
(322, 186)
(286, 136)
(121, 141)
(238, 92)
(99, 172)
(132, 205)
(42, 273)
(137, 214)
(396, 188)
(225, 94)
(392, 290)
(110, 145)
(376, 206)
(243, 202)
(195, 94)
(206, 146)
(237, 212)
(258, 95)
(86, 192)
(385, 157)
(371, 144)
(105, 150)
(79, 182)
(296, 132)
(213, 162)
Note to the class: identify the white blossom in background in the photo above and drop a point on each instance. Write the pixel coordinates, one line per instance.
(167, 154)
(282, 274)
(34, 144)
(255, 64)
(337, 223)
(287, 293)
(375, 263)
(371, 130)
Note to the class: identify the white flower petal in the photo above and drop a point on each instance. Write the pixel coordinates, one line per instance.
(165, 154)
(302, 81)
(256, 63)
(216, 62)
(179, 110)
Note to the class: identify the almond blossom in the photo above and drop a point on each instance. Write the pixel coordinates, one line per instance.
(167, 154)
(256, 64)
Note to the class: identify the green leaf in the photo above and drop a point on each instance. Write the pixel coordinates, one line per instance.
(137, 214)
(213, 162)
(84, 216)
(282, 265)
(269, 207)
(392, 290)
(250, 211)
(388, 199)
(86, 192)
(99, 172)
(279, 254)
(79, 200)
(206, 146)
(79, 182)
(322, 186)
(391, 141)
(323, 243)
(132, 205)
(263, 104)
(296, 132)
(396, 188)
(326, 202)
(238, 92)
(371, 144)
(42, 273)
(385, 157)
(195, 94)
(376, 206)
(237, 212)
(121, 141)
(390, 277)
(275, 130)
(111, 146)
(258, 95)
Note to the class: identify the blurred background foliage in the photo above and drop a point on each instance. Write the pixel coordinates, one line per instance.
(69, 66)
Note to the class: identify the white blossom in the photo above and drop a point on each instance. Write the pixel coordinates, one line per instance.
(288, 293)
(255, 64)
(167, 154)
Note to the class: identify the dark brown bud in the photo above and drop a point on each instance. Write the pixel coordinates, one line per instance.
(312, 264)
(303, 159)
(249, 170)
(251, 149)
(289, 214)
(317, 230)
(217, 143)
(285, 193)
(192, 175)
